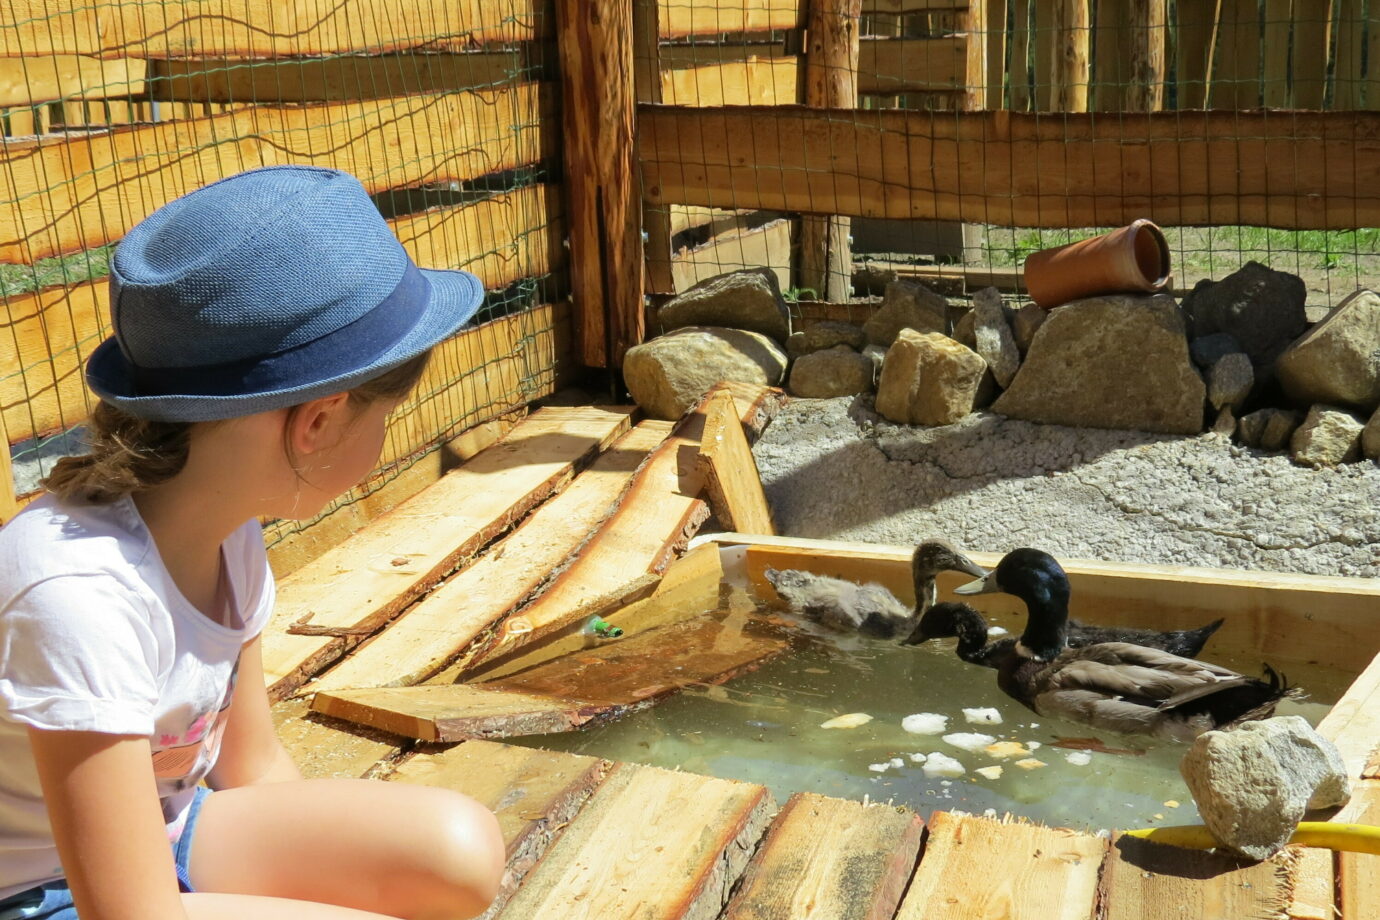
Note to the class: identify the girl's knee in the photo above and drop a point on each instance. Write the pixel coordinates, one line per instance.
(463, 846)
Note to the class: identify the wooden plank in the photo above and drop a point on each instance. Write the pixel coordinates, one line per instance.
(1315, 885)
(901, 7)
(1262, 609)
(1358, 874)
(1347, 76)
(1141, 879)
(713, 220)
(1046, 873)
(1353, 722)
(231, 80)
(681, 19)
(994, 38)
(367, 580)
(455, 712)
(261, 28)
(1292, 170)
(598, 96)
(502, 240)
(69, 194)
(1071, 73)
(1021, 93)
(438, 629)
(9, 504)
(534, 794)
(751, 81)
(1276, 26)
(328, 748)
(1193, 48)
(973, 25)
(650, 844)
(1312, 50)
(35, 80)
(768, 246)
(913, 65)
(730, 473)
(1149, 21)
(826, 857)
(649, 665)
(648, 65)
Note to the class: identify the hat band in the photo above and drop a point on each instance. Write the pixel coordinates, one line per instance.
(351, 347)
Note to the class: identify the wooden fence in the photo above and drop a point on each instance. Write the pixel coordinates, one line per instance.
(447, 110)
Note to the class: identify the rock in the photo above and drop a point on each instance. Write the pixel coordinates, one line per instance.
(1254, 783)
(824, 335)
(870, 279)
(837, 371)
(877, 354)
(1225, 424)
(1327, 437)
(1268, 429)
(1259, 307)
(963, 330)
(995, 342)
(1208, 349)
(1230, 380)
(1250, 427)
(1119, 361)
(748, 299)
(669, 373)
(1337, 361)
(929, 379)
(1025, 322)
(1370, 437)
(907, 305)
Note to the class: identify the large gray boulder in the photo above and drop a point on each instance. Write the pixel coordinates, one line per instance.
(748, 299)
(1258, 306)
(907, 305)
(837, 371)
(929, 379)
(1254, 784)
(824, 335)
(1119, 361)
(1327, 437)
(668, 374)
(1230, 380)
(993, 336)
(1338, 360)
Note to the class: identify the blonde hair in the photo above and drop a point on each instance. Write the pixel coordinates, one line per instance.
(130, 454)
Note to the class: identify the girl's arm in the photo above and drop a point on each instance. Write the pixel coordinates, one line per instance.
(103, 805)
(250, 751)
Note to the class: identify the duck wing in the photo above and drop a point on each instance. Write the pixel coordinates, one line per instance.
(1185, 642)
(837, 603)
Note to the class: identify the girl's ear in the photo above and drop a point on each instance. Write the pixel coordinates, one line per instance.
(317, 425)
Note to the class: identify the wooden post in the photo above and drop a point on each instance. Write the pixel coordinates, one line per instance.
(1022, 93)
(1148, 24)
(9, 505)
(1071, 61)
(656, 220)
(973, 22)
(992, 35)
(1275, 34)
(595, 43)
(831, 82)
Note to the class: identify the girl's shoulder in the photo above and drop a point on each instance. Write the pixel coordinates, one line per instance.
(50, 538)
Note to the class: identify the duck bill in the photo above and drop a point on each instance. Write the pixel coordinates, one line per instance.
(984, 585)
(964, 564)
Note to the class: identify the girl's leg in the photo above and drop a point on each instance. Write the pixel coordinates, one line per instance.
(390, 848)
(240, 906)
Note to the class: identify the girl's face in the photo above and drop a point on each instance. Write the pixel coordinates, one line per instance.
(334, 470)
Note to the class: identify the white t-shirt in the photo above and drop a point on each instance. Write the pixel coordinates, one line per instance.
(94, 636)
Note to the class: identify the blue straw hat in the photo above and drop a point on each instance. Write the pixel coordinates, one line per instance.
(264, 290)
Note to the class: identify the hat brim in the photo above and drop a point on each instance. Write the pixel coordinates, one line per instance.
(455, 297)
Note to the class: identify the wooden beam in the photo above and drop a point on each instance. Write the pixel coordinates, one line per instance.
(9, 504)
(1353, 722)
(902, 7)
(1358, 874)
(681, 19)
(438, 629)
(35, 80)
(261, 28)
(455, 712)
(328, 748)
(50, 332)
(973, 24)
(598, 94)
(751, 81)
(1293, 170)
(1312, 43)
(767, 246)
(1276, 32)
(651, 844)
(1070, 77)
(1315, 885)
(729, 471)
(1047, 873)
(832, 858)
(1149, 28)
(994, 37)
(648, 66)
(914, 65)
(273, 82)
(407, 551)
(77, 193)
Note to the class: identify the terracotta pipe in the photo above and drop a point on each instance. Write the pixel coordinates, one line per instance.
(1133, 258)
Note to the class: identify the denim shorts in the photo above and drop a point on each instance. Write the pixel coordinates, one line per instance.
(53, 901)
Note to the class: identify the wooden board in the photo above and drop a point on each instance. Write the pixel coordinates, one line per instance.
(534, 794)
(730, 473)
(912, 65)
(899, 7)
(751, 81)
(1293, 170)
(1141, 880)
(681, 19)
(329, 748)
(370, 578)
(1353, 723)
(34, 80)
(1315, 885)
(76, 193)
(455, 712)
(1262, 609)
(768, 246)
(441, 626)
(650, 844)
(1358, 874)
(338, 78)
(830, 858)
(501, 239)
(261, 28)
(646, 666)
(979, 867)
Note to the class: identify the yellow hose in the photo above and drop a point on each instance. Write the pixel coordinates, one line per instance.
(1351, 838)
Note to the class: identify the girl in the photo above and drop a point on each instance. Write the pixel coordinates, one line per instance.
(265, 326)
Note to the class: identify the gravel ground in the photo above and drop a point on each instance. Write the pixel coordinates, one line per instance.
(833, 468)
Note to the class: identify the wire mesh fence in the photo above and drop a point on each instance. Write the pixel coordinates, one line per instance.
(444, 109)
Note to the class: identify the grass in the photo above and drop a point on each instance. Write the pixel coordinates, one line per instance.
(69, 269)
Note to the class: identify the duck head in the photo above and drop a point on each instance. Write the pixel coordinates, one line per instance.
(943, 621)
(931, 558)
(1036, 578)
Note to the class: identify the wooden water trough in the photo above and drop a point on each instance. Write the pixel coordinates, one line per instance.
(429, 653)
